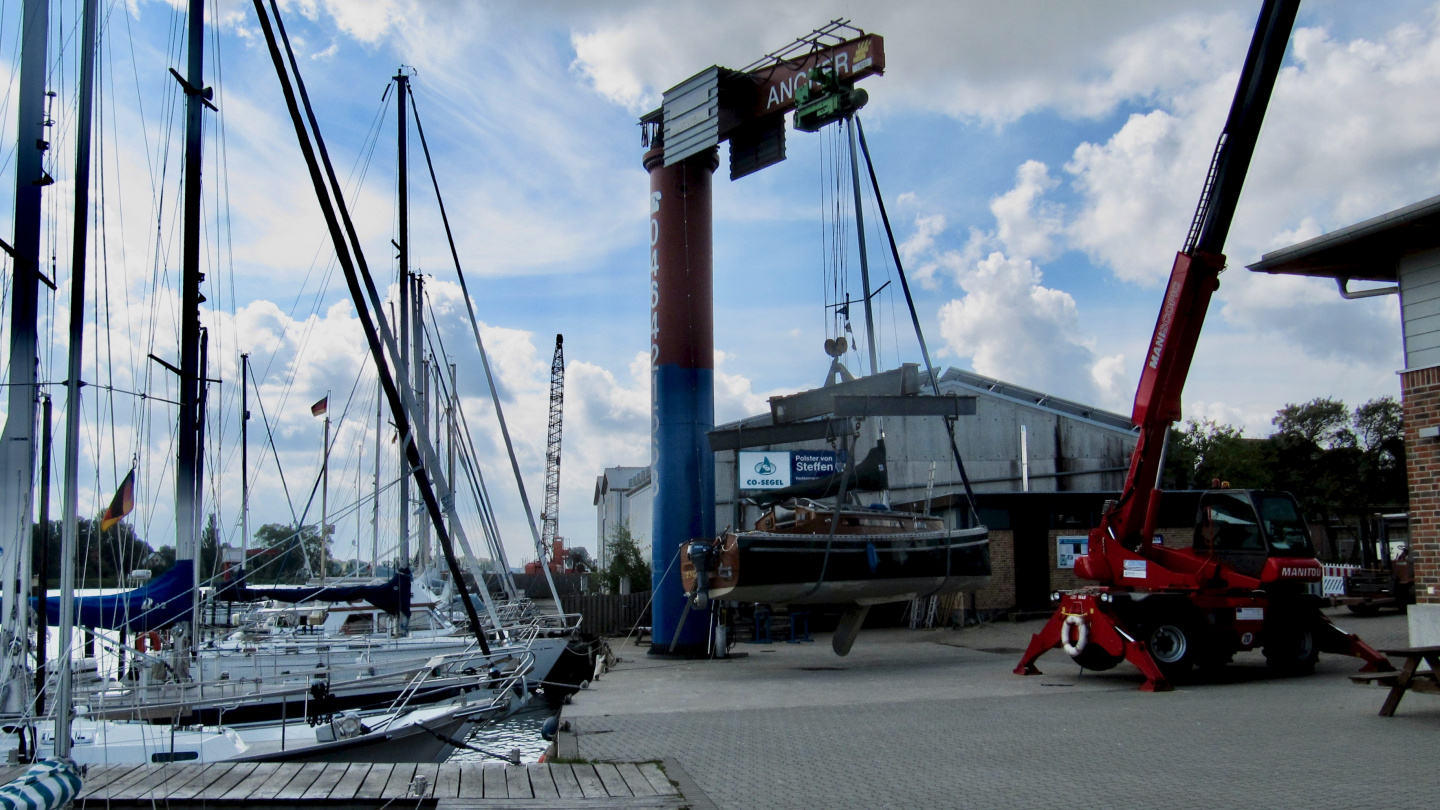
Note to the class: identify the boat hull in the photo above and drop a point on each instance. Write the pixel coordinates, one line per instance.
(862, 569)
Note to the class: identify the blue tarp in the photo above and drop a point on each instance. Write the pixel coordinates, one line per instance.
(156, 604)
(393, 597)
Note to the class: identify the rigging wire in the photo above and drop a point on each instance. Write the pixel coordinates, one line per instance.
(467, 455)
(915, 318)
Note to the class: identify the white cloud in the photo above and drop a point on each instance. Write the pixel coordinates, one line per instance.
(1016, 329)
(994, 62)
(918, 248)
(1026, 224)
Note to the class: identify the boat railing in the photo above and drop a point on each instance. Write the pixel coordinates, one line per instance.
(162, 700)
(498, 682)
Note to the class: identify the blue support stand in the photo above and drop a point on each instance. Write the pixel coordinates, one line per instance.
(800, 626)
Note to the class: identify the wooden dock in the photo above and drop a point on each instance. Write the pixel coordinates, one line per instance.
(451, 786)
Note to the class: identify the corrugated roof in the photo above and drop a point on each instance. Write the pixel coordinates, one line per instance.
(958, 381)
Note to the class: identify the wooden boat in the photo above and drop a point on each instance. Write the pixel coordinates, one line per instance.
(805, 552)
(873, 556)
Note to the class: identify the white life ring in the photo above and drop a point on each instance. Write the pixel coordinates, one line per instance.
(1082, 635)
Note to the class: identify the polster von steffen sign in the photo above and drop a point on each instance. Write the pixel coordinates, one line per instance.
(776, 469)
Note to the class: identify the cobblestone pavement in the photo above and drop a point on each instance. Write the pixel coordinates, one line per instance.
(932, 719)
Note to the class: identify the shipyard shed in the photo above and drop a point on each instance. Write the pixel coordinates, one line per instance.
(1041, 467)
(1015, 440)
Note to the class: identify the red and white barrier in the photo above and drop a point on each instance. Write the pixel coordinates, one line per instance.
(1333, 580)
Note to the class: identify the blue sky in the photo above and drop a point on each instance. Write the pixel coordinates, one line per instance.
(1040, 163)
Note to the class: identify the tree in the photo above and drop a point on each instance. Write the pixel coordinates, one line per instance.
(626, 561)
(103, 559)
(209, 557)
(1206, 450)
(1378, 422)
(1322, 421)
(290, 554)
(1381, 431)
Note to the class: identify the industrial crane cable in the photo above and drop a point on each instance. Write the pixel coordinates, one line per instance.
(915, 318)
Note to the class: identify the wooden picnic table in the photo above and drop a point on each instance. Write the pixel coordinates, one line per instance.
(1408, 678)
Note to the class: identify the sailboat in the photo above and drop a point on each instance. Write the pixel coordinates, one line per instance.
(801, 551)
(396, 730)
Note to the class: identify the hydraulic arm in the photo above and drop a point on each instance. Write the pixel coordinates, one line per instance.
(1193, 278)
(1244, 584)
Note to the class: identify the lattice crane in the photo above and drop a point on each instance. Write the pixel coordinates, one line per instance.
(550, 517)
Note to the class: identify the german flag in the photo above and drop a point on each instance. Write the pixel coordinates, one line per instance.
(319, 408)
(122, 504)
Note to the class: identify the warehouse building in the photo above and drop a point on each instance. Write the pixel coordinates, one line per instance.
(1040, 465)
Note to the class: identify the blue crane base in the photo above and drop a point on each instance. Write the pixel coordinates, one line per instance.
(684, 476)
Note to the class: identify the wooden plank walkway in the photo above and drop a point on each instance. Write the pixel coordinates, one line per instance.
(451, 786)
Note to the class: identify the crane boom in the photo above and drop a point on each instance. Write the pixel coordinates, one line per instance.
(550, 517)
(1193, 279)
(1243, 583)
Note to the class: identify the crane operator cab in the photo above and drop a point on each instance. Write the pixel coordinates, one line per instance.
(1257, 533)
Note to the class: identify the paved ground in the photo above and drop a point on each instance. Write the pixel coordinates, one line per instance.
(936, 719)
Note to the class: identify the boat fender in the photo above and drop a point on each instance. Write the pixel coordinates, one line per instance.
(1082, 635)
(872, 557)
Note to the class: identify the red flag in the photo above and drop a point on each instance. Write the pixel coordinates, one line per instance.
(122, 504)
(319, 408)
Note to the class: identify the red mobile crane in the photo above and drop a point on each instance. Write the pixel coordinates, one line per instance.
(1243, 583)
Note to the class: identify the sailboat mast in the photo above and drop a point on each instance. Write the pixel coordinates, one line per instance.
(402, 82)
(325, 492)
(422, 373)
(42, 552)
(375, 504)
(186, 477)
(864, 254)
(244, 460)
(17, 446)
(450, 439)
(70, 510)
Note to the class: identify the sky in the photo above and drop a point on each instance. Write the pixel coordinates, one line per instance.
(1040, 163)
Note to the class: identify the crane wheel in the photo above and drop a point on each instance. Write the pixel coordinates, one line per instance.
(1175, 645)
(1095, 659)
(1292, 648)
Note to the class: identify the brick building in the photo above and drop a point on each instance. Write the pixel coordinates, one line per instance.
(1400, 250)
